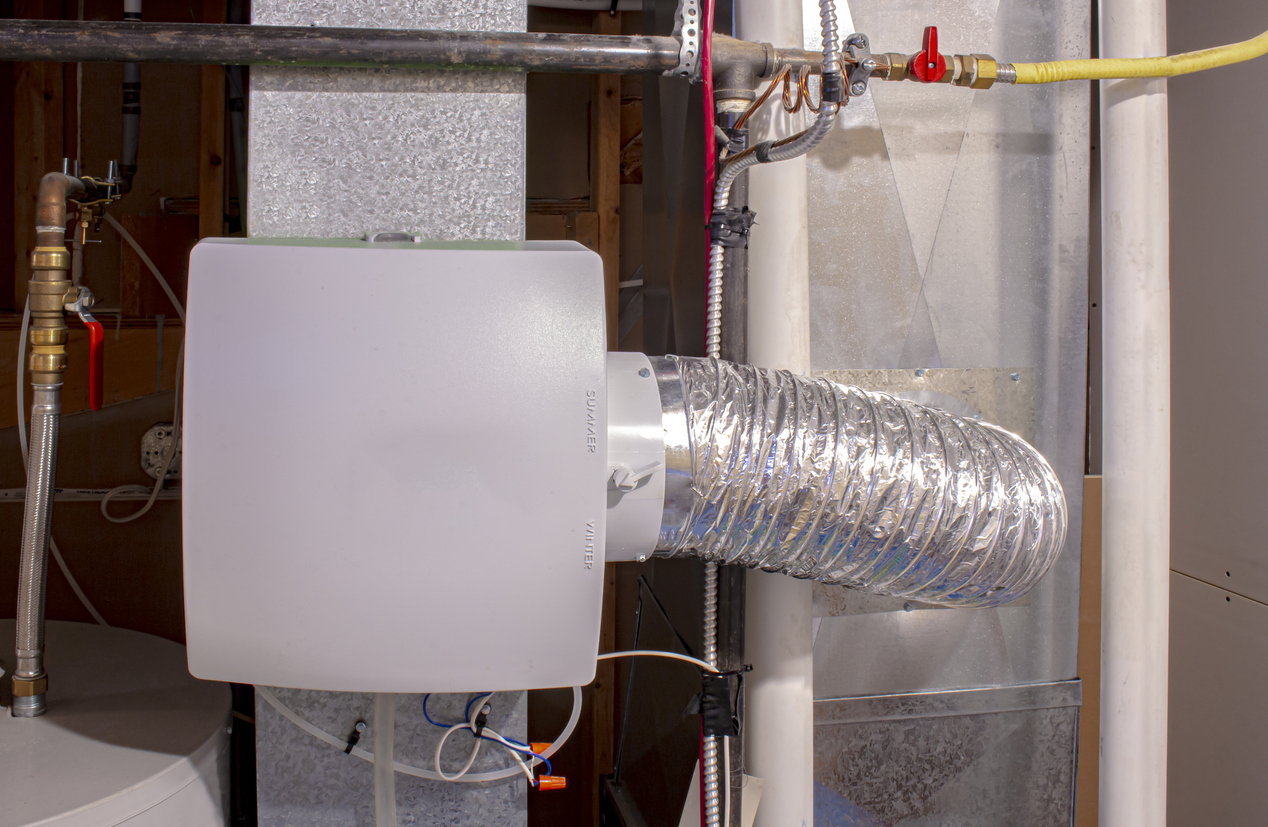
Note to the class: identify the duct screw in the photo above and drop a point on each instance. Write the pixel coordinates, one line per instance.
(642, 558)
(920, 372)
(1016, 377)
(907, 607)
(644, 372)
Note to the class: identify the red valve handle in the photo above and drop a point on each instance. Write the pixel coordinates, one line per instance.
(96, 363)
(929, 66)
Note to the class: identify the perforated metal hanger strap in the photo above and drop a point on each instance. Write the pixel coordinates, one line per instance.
(688, 28)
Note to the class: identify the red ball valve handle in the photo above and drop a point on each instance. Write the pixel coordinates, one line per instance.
(928, 65)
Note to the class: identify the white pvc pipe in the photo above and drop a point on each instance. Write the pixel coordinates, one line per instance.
(779, 697)
(384, 748)
(1137, 424)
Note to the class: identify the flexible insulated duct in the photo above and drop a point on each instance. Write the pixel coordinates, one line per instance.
(832, 483)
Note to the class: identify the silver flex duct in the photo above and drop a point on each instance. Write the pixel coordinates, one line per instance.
(832, 483)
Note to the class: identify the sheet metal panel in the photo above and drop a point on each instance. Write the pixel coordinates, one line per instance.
(949, 230)
(336, 153)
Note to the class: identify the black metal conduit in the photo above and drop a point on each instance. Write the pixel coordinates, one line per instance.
(234, 44)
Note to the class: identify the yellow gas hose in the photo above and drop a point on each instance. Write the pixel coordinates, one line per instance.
(1142, 67)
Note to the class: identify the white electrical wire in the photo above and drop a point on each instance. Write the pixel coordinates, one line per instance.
(470, 778)
(21, 399)
(655, 653)
(167, 288)
(172, 449)
(475, 750)
(174, 446)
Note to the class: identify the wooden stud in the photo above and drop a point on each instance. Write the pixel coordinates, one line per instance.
(605, 201)
(37, 142)
(1087, 803)
(605, 173)
(211, 139)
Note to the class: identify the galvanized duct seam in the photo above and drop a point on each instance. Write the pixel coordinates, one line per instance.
(832, 483)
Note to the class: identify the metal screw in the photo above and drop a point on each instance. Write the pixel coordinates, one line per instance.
(644, 372)
(360, 727)
(642, 558)
(859, 88)
(920, 372)
(907, 607)
(1016, 377)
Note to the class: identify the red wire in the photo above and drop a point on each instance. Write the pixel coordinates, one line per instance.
(710, 174)
(710, 151)
(706, 70)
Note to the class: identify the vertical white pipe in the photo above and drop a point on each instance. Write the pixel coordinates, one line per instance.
(779, 701)
(384, 756)
(1137, 424)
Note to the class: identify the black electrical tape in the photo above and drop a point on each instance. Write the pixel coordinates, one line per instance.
(715, 705)
(762, 151)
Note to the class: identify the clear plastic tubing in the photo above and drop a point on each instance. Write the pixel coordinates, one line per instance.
(384, 772)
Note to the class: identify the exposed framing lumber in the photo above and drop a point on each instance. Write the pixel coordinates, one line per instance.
(211, 139)
(37, 142)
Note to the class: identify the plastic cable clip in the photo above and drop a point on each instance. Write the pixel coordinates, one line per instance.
(730, 227)
(833, 86)
(736, 139)
(353, 737)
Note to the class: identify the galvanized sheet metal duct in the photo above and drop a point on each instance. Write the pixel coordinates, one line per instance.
(832, 483)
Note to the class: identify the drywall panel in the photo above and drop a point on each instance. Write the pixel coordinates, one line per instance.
(1219, 345)
(1218, 732)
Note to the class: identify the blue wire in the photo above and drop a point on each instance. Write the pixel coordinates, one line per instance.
(524, 748)
(428, 717)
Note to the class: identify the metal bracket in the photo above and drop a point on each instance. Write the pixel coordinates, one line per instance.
(860, 72)
(730, 227)
(688, 28)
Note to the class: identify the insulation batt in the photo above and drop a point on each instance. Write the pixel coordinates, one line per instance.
(832, 483)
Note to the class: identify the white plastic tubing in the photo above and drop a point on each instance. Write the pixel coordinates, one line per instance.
(1137, 423)
(779, 696)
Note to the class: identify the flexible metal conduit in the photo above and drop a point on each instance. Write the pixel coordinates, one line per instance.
(831, 483)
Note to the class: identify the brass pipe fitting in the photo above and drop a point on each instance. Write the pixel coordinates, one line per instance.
(30, 687)
(50, 284)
